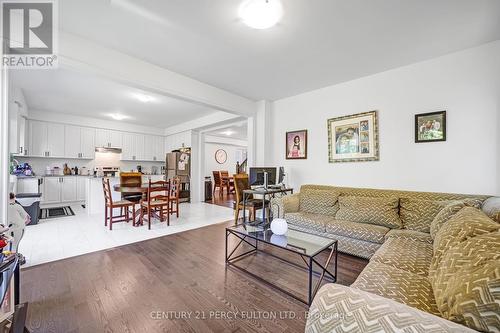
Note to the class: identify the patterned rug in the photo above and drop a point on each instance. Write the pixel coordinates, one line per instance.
(50, 213)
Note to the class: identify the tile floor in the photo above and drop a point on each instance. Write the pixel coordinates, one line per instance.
(58, 238)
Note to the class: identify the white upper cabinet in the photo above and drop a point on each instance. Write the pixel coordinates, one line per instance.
(79, 142)
(108, 138)
(159, 149)
(37, 138)
(46, 139)
(133, 147)
(72, 141)
(55, 140)
(149, 147)
(87, 136)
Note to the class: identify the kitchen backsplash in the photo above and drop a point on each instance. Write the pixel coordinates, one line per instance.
(39, 164)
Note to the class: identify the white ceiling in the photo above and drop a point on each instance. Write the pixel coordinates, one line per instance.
(318, 43)
(235, 131)
(70, 92)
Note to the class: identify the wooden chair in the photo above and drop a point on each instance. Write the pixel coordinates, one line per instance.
(217, 183)
(175, 191)
(109, 205)
(132, 179)
(226, 181)
(242, 183)
(156, 205)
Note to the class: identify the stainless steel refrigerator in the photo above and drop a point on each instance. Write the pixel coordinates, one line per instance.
(178, 164)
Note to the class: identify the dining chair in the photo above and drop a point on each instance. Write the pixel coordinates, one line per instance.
(131, 179)
(242, 183)
(226, 181)
(156, 202)
(217, 183)
(175, 191)
(109, 205)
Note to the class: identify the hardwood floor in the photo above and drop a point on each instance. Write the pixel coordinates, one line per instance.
(226, 200)
(176, 283)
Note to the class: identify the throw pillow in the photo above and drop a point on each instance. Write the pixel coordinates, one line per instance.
(379, 211)
(417, 214)
(448, 211)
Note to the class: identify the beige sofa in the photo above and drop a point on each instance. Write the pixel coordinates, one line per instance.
(434, 258)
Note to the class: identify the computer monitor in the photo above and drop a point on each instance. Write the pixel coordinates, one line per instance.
(256, 176)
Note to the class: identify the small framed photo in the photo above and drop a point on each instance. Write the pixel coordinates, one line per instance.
(296, 145)
(430, 127)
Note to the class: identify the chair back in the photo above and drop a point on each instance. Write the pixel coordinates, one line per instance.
(158, 191)
(108, 199)
(132, 179)
(175, 188)
(217, 179)
(241, 183)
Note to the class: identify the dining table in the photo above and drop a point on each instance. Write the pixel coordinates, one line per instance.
(124, 189)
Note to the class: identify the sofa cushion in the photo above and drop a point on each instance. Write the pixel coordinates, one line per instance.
(341, 309)
(417, 214)
(378, 211)
(319, 201)
(407, 254)
(308, 221)
(468, 281)
(363, 231)
(448, 211)
(397, 284)
(410, 235)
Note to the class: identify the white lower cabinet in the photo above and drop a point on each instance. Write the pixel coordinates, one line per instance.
(51, 190)
(64, 189)
(68, 189)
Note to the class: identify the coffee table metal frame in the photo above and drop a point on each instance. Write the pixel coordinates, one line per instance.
(309, 260)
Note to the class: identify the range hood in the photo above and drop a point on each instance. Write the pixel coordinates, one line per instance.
(108, 150)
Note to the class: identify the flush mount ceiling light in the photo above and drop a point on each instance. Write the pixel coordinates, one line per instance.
(143, 97)
(228, 132)
(260, 14)
(118, 116)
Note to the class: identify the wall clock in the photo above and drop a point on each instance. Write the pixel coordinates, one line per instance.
(221, 156)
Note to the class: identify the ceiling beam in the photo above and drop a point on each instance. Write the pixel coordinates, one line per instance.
(85, 56)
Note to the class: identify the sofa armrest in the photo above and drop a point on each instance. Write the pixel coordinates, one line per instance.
(285, 204)
(409, 234)
(491, 207)
(338, 308)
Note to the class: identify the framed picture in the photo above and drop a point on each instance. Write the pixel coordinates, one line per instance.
(430, 127)
(353, 138)
(296, 145)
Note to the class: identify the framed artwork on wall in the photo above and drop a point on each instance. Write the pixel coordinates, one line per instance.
(430, 127)
(353, 138)
(296, 145)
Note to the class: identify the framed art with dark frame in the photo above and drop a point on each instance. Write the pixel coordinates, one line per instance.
(430, 127)
(296, 145)
(353, 138)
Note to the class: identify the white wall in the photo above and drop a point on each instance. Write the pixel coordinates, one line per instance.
(465, 84)
(232, 157)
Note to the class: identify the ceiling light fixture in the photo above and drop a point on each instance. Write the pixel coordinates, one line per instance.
(228, 132)
(143, 97)
(260, 14)
(118, 116)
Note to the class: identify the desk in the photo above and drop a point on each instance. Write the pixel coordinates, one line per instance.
(265, 192)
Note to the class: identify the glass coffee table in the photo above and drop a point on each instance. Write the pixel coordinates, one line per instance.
(305, 245)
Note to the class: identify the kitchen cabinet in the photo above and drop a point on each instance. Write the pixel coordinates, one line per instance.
(51, 190)
(159, 149)
(38, 138)
(27, 185)
(108, 138)
(68, 189)
(79, 142)
(46, 139)
(178, 140)
(133, 147)
(153, 148)
(81, 190)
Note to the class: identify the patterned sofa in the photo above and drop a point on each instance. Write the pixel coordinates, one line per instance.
(434, 258)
